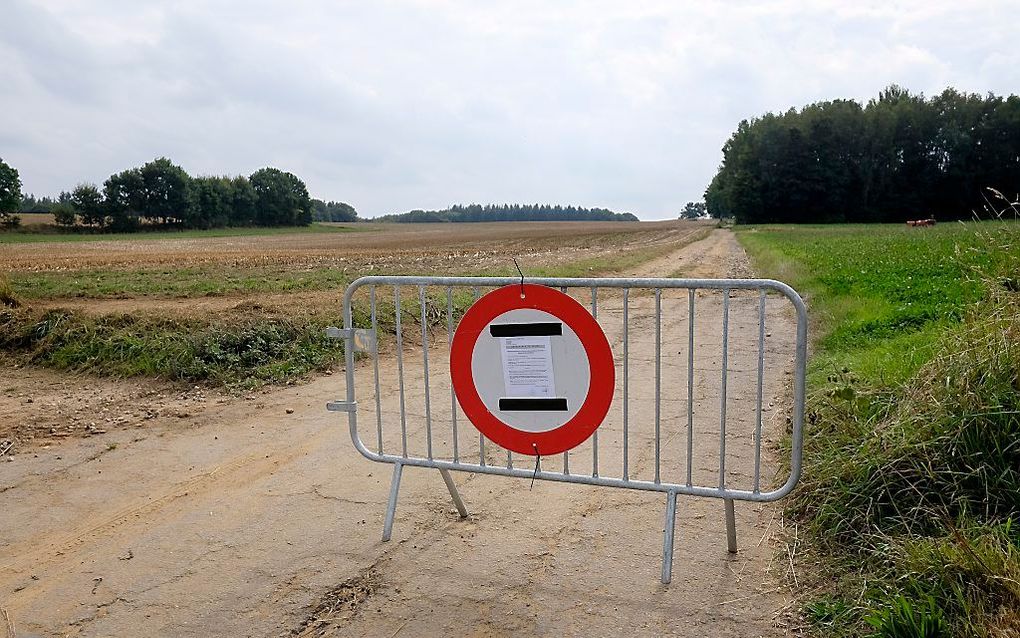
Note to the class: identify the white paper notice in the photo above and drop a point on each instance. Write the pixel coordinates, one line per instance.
(527, 367)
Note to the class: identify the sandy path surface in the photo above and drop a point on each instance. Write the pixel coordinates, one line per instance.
(260, 519)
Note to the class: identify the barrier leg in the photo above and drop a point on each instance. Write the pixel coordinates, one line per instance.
(667, 538)
(731, 527)
(391, 507)
(454, 494)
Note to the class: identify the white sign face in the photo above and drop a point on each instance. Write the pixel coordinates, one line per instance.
(531, 370)
(528, 367)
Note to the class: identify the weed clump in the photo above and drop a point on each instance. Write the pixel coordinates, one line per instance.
(7, 296)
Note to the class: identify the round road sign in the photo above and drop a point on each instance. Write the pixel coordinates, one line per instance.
(532, 369)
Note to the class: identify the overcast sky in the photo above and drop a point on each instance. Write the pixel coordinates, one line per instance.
(392, 106)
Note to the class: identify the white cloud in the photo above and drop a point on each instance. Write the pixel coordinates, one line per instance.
(399, 105)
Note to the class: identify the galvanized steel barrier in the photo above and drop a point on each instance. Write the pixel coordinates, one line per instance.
(705, 305)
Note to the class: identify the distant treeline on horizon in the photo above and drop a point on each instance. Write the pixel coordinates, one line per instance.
(508, 213)
(899, 157)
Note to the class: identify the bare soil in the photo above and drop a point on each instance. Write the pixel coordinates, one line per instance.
(255, 516)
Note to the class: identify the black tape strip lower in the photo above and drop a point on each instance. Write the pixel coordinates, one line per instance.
(550, 329)
(533, 405)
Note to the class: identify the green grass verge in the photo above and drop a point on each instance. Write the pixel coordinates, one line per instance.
(31, 234)
(911, 480)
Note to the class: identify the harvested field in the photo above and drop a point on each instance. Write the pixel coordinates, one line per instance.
(249, 266)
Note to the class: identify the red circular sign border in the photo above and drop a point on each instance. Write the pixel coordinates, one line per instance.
(601, 368)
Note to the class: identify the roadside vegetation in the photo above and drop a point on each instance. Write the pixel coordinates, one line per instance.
(911, 490)
(243, 347)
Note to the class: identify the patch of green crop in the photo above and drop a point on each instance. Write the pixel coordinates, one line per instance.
(192, 281)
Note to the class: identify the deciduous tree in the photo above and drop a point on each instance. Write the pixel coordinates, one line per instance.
(10, 194)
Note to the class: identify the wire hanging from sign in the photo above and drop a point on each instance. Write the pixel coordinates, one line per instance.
(522, 275)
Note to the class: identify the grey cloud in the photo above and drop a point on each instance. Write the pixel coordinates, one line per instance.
(393, 106)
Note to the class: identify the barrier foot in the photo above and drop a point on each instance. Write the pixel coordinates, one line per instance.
(391, 507)
(454, 494)
(667, 538)
(731, 527)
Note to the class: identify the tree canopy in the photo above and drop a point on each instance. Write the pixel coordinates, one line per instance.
(333, 211)
(509, 212)
(899, 157)
(693, 210)
(281, 199)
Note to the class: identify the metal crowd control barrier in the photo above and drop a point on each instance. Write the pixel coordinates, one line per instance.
(431, 302)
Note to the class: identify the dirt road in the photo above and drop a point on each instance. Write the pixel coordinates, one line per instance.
(260, 519)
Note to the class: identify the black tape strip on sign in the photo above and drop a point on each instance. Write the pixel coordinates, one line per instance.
(551, 329)
(533, 405)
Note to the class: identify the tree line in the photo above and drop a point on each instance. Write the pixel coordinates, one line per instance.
(508, 212)
(160, 194)
(899, 157)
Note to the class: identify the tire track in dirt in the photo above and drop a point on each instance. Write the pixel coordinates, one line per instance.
(228, 475)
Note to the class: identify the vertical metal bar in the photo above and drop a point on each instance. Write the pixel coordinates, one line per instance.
(626, 381)
(690, 384)
(391, 506)
(761, 376)
(722, 388)
(454, 494)
(667, 538)
(400, 370)
(481, 437)
(453, 392)
(425, 364)
(595, 437)
(658, 382)
(731, 527)
(375, 365)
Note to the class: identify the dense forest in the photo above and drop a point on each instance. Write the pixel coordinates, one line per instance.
(899, 157)
(509, 213)
(161, 194)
